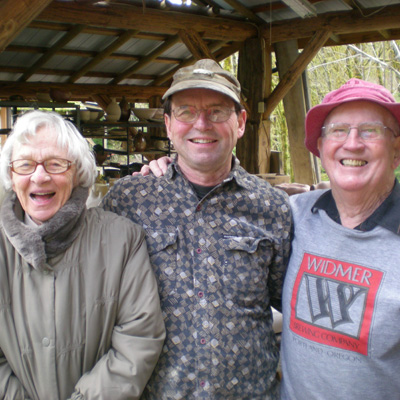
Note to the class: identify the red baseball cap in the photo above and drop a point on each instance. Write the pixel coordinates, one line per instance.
(352, 90)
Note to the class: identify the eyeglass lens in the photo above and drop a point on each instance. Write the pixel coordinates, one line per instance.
(51, 166)
(213, 114)
(366, 131)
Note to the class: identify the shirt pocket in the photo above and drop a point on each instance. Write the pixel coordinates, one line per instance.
(246, 268)
(162, 247)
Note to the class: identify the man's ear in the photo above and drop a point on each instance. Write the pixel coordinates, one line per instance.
(242, 117)
(167, 121)
(396, 158)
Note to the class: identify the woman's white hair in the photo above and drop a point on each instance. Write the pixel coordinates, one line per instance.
(68, 137)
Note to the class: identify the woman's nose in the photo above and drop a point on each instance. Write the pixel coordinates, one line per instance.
(40, 175)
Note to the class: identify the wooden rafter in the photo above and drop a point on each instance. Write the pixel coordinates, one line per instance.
(151, 20)
(167, 76)
(127, 35)
(195, 44)
(75, 30)
(294, 72)
(245, 11)
(146, 60)
(15, 16)
(81, 91)
(338, 23)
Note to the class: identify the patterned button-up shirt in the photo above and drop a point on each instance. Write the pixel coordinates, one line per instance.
(220, 264)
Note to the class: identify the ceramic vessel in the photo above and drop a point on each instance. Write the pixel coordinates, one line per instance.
(113, 111)
(139, 141)
(59, 95)
(125, 110)
(84, 115)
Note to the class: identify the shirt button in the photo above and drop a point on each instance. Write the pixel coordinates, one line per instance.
(198, 251)
(203, 341)
(46, 342)
(200, 294)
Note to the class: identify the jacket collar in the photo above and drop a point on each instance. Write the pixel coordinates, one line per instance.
(38, 244)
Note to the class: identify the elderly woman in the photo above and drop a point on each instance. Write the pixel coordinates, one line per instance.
(79, 308)
(341, 302)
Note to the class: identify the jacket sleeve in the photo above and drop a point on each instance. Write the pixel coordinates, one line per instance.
(10, 387)
(138, 335)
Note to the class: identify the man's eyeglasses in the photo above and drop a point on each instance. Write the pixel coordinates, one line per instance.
(368, 131)
(190, 114)
(51, 166)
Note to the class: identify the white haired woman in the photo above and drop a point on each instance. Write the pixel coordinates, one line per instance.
(79, 308)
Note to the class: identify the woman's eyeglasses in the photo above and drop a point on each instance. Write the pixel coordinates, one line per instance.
(51, 166)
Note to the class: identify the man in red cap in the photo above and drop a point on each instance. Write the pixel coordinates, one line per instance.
(341, 298)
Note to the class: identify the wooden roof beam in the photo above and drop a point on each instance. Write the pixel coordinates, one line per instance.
(338, 23)
(195, 44)
(294, 72)
(85, 53)
(246, 12)
(80, 91)
(166, 77)
(103, 55)
(150, 20)
(75, 30)
(15, 16)
(146, 60)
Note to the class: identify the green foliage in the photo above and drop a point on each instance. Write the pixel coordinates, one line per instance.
(377, 62)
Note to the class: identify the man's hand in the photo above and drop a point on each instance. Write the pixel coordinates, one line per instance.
(296, 188)
(157, 167)
(293, 188)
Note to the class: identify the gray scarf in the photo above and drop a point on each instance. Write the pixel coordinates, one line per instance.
(53, 237)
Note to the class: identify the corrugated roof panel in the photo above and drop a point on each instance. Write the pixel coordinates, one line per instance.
(113, 65)
(91, 42)
(66, 62)
(377, 3)
(37, 37)
(93, 81)
(48, 78)
(139, 47)
(177, 51)
(7, 76)
(13, 59)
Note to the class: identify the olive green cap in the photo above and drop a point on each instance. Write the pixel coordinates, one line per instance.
(205, 74)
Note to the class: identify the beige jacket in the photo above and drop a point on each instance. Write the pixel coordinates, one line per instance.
(84, 325)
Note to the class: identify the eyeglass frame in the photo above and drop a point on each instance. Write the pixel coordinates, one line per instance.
(69, 165)
(199, 111)
(344, 124)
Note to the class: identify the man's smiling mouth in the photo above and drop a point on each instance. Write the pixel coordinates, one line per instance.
(353, 163)
(202, 141)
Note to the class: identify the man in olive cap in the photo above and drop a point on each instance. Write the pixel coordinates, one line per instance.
(219, 241)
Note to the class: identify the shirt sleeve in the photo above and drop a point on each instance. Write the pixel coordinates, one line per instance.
(277, 269)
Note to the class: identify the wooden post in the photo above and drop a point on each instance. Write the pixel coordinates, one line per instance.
(252, 150)
(295, 111)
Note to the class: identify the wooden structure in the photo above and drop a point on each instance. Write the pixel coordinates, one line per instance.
(100, 49)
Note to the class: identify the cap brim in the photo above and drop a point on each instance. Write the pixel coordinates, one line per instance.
(201, 84)
(316, 117)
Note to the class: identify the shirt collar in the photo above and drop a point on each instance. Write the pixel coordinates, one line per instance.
(387, 215)
(237, 173)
